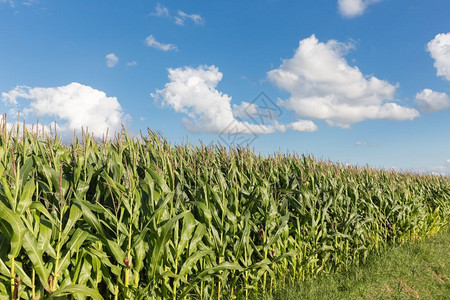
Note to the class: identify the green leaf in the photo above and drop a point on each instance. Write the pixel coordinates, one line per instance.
(43, 210)
(44, 238)
(210, 272)
(4, 269)
(76, 289)
(199, 233)
(281, 227)
(35, 255)
(7, 192)
(26, 197)
(158, 179)
(21, 273)
(89, 217)
(74, 216)
(189, 224)
(192, 260)
(72, 246)
(17, 226)
(114, 185)
(166, 231)
(116, 251)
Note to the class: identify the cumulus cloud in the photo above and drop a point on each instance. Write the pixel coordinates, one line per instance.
(193, 91)
(152, 42)
(254, 112)
(324, 86)
(111, 60)
(439, 48)
(73, 106)
(160, 11)
(245, 110)
(302, 126)
(430, 101)
(353, 8)
(182, 16)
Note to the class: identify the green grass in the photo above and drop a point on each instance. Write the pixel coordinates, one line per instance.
(418, 270)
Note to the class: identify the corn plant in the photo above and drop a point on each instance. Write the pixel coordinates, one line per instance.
(138, 218)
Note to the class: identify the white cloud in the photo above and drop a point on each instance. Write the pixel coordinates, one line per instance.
(353, 8)
(245, 110)
(160, 11)
(192, 91)
(10, 98)
(439, 48)
(303, 126)
(251, 110)
(30, 2)
(132, 63)
(430, 101)
(74, 106)
(324, 86)
(152, 42)
(111, 60)
(448, 161)
(182, 16)
(179, 21)
(365, 144)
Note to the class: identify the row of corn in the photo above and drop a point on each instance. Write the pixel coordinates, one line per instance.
(137, 218)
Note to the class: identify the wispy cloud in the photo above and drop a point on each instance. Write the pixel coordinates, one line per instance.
(160, 11)
(182, 17)
(365, 144)
(14, 3)
(132, 63)
(152, 42)
(30, 2)
(111, 60)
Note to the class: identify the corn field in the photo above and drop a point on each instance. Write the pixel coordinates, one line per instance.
(137, 218)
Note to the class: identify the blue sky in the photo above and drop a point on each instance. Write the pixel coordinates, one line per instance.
(353, 81)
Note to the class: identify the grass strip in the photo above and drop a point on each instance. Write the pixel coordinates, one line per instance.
(415, 270)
